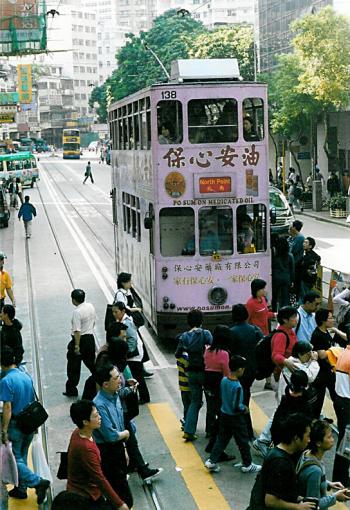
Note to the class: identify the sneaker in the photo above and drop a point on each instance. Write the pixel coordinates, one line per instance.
(182, 421)
(149, 474)
(211, 466)
(189, 437)
(70, 393)
(18, 493)
(41, 489)
(260, 448)
(253, 468)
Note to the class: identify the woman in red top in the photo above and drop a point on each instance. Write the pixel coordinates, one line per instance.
(259, 314)
(85, 476)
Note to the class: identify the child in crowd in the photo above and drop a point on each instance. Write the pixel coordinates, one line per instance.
(232, 421)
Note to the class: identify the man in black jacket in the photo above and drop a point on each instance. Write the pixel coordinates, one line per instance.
(308, 267)
(11, 332)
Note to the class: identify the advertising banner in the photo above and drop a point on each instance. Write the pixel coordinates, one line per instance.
(7, 118)
(9, 98)
(24, 73)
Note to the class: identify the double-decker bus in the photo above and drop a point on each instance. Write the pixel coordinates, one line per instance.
(19, 164)
(71, 144)
(190, 192)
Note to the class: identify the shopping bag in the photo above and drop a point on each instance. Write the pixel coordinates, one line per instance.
(9, 473)
(62, 473)
(344, 447)
(40, 464)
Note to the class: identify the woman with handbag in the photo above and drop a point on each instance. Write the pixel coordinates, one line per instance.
(135, 349)
(125, 294)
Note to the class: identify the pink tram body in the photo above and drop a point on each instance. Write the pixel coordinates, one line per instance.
(190, 197)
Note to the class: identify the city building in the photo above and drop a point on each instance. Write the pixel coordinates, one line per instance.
(216, 13)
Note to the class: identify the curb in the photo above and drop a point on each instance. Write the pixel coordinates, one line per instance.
(325, 220)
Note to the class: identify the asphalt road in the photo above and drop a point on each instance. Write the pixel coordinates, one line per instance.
(73, 246)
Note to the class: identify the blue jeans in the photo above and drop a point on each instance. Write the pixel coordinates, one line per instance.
(20, 446)
(195, 383)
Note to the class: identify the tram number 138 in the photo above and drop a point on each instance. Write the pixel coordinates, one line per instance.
(169, 94)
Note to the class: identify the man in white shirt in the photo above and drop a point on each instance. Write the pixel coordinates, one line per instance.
(82, 345)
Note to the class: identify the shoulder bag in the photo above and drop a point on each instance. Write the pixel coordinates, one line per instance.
(32, 416)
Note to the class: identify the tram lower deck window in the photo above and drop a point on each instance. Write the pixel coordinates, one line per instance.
(212, 120)
(251, 228)
(177, 231)
(215, 230)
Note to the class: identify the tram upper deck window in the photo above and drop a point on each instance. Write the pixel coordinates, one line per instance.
(251, 228)
(212, 120)
(215, 230)
(176, 231)
(253, 119)
(169, 121)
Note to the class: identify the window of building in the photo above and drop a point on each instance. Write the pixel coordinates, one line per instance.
(215, 230)
(82, 96)
(82, 83)
(76, 83)
(80, 28)
(82, 69)
(251, 228)
(212, 120)
(169, 121)
(87, 29)
(253, 119)
(81, 55)
(74, 28)
(75, 55)
(131, 215)
(177, 232)
(108, 63)
(76, 69)
(87, 42)
(76, 96)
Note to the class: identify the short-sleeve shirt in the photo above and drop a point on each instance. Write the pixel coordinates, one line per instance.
(5, 283)
(17, 387)
(83, 320)
(279, 476)
(321, 342)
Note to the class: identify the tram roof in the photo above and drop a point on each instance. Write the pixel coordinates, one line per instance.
(186, 84)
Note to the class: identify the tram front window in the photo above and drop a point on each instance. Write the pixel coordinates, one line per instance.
(169, 119)
(215, 230)
(212, 120)
(177, 235)
(251, 228)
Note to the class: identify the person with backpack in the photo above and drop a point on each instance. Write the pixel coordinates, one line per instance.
(88, 173)
(194, 342)
(276, 485)
(272, 355)
(244, 339)
(259, 313)
(311, 472)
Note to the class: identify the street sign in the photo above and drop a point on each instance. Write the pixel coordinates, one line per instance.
(24, 72)
(8, 109)
(7, 118)
(9, 98)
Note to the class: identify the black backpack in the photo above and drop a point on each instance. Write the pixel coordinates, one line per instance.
(263, 351)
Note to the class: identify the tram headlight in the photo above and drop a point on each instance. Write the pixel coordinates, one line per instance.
(217, 295)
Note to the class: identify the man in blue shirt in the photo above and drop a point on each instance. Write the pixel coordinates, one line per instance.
(27, 211)
(112, 435)
(17, 392)
(306, 316)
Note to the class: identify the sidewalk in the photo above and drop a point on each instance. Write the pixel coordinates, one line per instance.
(323, 216)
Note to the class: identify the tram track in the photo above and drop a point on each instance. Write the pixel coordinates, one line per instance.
(98, 238)
(36, 370)
(152, 495)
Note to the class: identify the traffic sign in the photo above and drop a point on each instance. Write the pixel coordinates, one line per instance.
(7, 118)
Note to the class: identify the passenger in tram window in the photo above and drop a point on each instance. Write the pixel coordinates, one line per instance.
(245, 234)
(226, 130)
(197, 121)
(164, 138)
(249, 132)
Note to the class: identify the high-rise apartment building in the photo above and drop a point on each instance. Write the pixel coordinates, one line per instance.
(272, 22)
(217, 13)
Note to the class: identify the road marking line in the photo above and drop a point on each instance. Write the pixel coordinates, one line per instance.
(200, 483)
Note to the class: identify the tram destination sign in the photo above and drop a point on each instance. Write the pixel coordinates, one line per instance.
(215, 184)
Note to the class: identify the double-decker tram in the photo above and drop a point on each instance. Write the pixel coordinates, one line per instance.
(71, 144)
(190, 192)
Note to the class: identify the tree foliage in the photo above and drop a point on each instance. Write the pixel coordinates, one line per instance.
(98, 95)
(137, 67)
(228, 42)
(322, 44)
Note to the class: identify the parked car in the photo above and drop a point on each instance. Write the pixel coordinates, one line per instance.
(281, 212)
(4, 208)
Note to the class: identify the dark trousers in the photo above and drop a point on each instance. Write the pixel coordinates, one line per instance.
(232, 426)
(136, 368)
(280, 295)
(341, 464)
(186, 400)
(135, 457)
(114, 467)
(87, 355)
(246, 383)
(87, 176)
(327, 382)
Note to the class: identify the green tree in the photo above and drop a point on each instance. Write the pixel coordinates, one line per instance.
(98, 95)
(168, 38)
(228, 42)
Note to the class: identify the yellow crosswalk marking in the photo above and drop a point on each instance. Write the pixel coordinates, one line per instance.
(201, 484)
